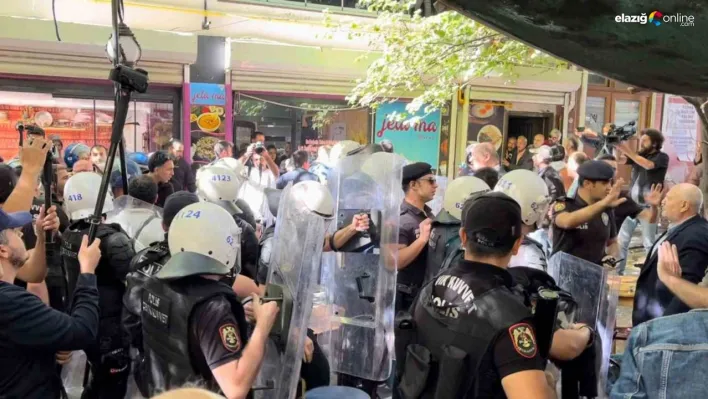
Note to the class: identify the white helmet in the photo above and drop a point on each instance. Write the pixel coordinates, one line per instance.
(315, 197)
(81, 195)
(219, 184)
(203, 239)
(379, 165)
(341, 149)
(530, 191)
(459, 190)
(233, 163)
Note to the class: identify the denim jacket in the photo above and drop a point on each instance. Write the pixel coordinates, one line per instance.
(666, 358)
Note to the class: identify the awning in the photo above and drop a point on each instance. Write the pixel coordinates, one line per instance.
(669, 58)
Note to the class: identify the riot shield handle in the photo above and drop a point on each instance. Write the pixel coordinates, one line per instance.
(360, 288)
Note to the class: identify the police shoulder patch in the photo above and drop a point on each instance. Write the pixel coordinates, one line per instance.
(229, 337)
(523, 338)
(559, 206)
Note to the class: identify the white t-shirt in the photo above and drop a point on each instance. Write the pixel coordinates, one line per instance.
(146, 223)
(252, 191)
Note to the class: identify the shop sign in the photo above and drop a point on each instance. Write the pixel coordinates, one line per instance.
(207, 94)
(416, 137)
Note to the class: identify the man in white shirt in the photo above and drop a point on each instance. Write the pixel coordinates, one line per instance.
(138, 215)
(263, 174)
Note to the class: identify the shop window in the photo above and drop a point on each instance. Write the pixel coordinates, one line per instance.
(316, 5)
(595, 113)
(86, 121)
(292, 123)
(626, 111)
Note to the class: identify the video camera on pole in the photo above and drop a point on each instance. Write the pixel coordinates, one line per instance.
(124, 51)
(615, 136)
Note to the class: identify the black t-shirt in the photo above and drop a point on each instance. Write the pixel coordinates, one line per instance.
(514, 349)
(163, 191)
(587, 241)
(643, 178)
(214, 334)
(409, 231)
(626, 209)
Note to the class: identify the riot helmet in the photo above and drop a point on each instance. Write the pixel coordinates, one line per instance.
(341, 149)
(373, 166)
(73, 153)
(220, 185)
(81, 195)
(203, 239)
(530, 191)
(459, 190)
(232, 163)
(315, 197)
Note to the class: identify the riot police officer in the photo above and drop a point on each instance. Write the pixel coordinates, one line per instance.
(419, 187)
(444, 245)
(465, 346)
(584, 225)
(108, 358)
(194, 326)
(146, 264)
(529, 191)
(240, 170)
(220, 185)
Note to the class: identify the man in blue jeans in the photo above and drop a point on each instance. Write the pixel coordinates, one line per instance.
(649, 166)
(666, 357)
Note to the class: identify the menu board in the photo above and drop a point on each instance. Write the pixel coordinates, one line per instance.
(486, 124)
(207, 119)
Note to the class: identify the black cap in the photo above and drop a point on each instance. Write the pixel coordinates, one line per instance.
(596, 171)
(492, 220)
(415, 171)
(175, 203)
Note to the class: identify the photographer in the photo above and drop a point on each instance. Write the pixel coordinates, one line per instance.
(649, 166)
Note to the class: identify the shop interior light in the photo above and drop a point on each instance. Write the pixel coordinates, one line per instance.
(130, 51)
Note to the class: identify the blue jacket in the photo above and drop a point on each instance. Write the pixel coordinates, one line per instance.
(665, 358)
(295, 176)
(652, 299)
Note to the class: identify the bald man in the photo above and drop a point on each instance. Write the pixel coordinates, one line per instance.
(689, 232)
(484, 155)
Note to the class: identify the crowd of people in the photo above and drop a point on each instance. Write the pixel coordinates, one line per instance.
(169, 293)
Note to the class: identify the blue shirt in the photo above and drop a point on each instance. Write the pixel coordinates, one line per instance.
(295, 176)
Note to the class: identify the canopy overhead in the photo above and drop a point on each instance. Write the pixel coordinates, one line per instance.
(669, 57)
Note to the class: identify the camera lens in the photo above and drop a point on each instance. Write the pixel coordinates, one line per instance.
(259, 150)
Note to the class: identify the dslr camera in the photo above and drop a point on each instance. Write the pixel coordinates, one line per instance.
(258, 148)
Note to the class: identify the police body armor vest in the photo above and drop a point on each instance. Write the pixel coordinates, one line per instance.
(144, 265)
(457, 348)
(444, 240)
(116, 254)
(166, 311)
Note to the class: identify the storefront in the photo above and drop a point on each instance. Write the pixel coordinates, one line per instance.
(80, 112)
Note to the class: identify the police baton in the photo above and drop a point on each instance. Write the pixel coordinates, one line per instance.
(47, 179)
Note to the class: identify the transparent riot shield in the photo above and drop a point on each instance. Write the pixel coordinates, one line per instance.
(292, 276)
(596, 291)
(354, 310)
(140, 220)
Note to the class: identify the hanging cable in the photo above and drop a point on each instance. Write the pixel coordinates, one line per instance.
(56, 24)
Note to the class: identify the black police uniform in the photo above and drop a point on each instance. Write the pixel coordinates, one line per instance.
(109, 358)
(411, 278)
(444, 246)
(464, 345)
(589, 240)
(191, 326)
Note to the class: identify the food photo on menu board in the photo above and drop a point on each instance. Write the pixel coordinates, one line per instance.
(486, 122)
(207, 129)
